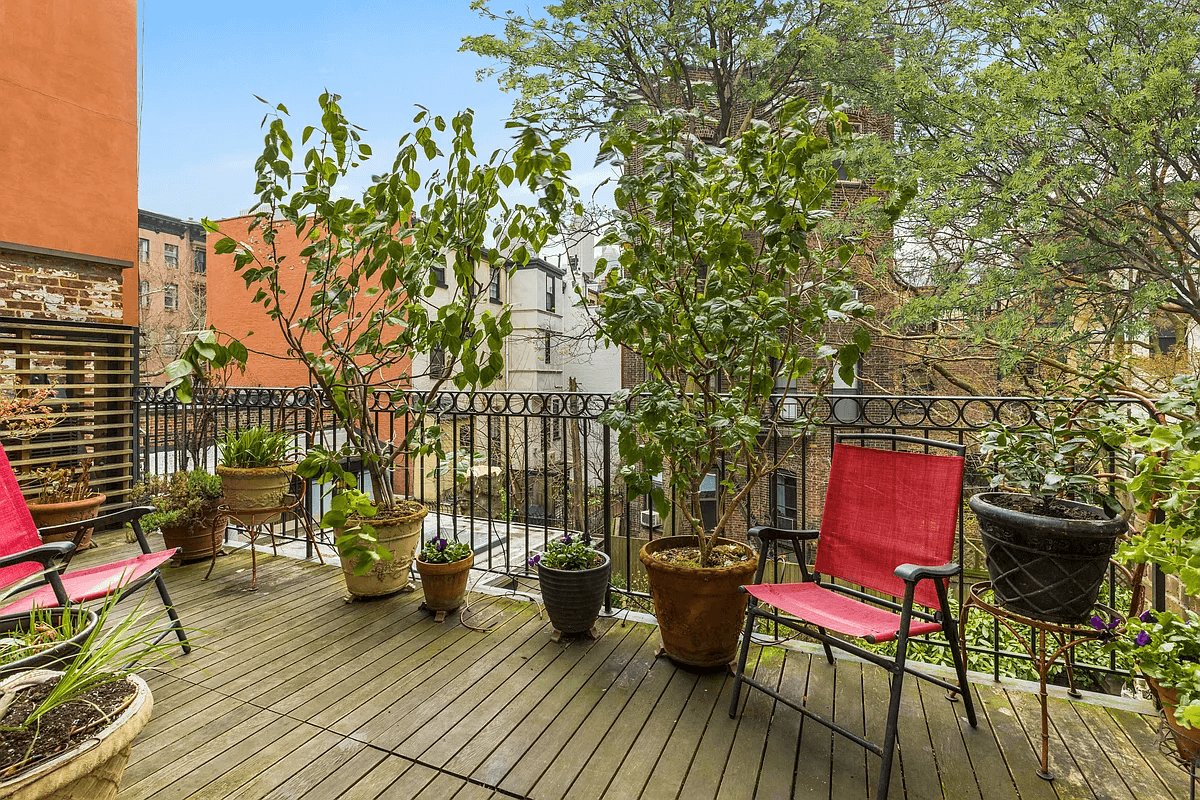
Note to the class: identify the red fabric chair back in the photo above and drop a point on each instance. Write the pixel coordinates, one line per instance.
(885, 508)
(17, 531)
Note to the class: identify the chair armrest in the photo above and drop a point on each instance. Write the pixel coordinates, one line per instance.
(766, 532)
(911, 573)
(44, 554)
(102, 522)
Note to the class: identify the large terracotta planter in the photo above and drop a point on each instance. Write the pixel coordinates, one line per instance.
(700, 611)
(573, 597)
(46, 515)
(249, 490)
(400, 535)
(445, 585)
(1187, 740)
(92, 770)
(55, 657)
(198, 539)
(1045, 567)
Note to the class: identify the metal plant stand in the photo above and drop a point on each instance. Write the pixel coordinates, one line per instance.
(1167, 746)
(1045, 642)
(259, 521)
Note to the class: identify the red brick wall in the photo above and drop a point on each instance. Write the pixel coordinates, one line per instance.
(53, 287)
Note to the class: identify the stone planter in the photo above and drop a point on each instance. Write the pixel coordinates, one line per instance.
(1187, 740)
(200, 538)
(56, 657)
(1045, 567)
(445, 585)
(700, 611)
(400, 535)
(89, 771)
(46, 515)
(573, 597)
(248, 490)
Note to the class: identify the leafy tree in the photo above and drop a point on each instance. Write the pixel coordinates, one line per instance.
(371, 265)
(1057, 147)
(724, 291)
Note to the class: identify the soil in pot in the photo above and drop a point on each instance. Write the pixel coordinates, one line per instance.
(400, 533)
(199, 538)
(445, 585)
(1046, 567)
(46, 515)
(700, 611)
(573, 597)
(65, 727)
(1187, 740)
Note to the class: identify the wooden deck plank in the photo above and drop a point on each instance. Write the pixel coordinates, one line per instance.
(918, 765)
(512, 737)
(992, 774)
(524, 756)
(997, 713)
(1142, 781)
(739, 781)
(300, 771)
(814, 761)
(672, 768)
(379, 782)
(877, 696)
(645, 750)
(346, 775)
(411, 784)
(1068, 782)
(950, 750)
(778, 772)
(1088, 756)
(1143, 735)
(441, 787)
(849, 760)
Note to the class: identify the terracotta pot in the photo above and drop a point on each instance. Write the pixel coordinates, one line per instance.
(247, 490)
(445, 585)
(573, 596)
(400, 534)
(700, 611)
(46, 515)
(1045, 567)
(55, 657)
(198, 539)
(1187, 740)
(93, 769)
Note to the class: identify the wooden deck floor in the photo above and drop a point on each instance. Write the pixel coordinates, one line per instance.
(294, 694)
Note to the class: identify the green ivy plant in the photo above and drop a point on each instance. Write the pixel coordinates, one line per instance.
(726, 290)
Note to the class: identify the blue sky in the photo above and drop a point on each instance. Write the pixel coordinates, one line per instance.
(202, 64)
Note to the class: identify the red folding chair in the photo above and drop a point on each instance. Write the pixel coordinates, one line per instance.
(38, 568)
(889, 526)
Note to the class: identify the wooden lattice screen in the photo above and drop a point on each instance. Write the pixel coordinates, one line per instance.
(92, 368)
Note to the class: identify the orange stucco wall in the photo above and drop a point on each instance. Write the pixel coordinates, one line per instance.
(231, 310)
(68, 126)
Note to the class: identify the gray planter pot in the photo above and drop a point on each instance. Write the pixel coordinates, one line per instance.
(573, 597)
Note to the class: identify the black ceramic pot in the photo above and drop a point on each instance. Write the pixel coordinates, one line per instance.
(573, 596)
(1045, 567)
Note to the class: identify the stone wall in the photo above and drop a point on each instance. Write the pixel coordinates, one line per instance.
(47, 286)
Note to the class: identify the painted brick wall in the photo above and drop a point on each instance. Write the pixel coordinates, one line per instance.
(51, 287)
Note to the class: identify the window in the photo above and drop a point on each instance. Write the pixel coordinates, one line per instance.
(144, 251)
(144, 292)
(550, 293)
(494, 287)
(199, 261)
(171, 297)
(1165, 340)
(199, 303)
(439, 276)
(170, 348)
(171, 255)
(437, 362)
(549, 342)
(783, 500)
(573, 261)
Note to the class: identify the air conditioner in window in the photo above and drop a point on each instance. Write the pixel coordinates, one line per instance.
(650, 519)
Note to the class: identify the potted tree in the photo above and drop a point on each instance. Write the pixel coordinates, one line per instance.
(1049, 539)
(724, 289)
(256, 467)
(64, 494)
(573, 577)
(444, 566)
(187, 511)
(364, 307)
(67, 734)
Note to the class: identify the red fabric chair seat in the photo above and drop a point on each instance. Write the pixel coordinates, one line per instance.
(837, 612)
(92, 583)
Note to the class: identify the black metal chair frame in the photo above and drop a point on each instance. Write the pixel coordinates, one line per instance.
(55, 557)
(911, 574)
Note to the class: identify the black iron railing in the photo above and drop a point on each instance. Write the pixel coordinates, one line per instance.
(528, 467)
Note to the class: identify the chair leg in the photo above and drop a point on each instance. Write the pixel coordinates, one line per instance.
(828, 649)
(176, 625)
(951, 629)
(743, 654)
(893, 718)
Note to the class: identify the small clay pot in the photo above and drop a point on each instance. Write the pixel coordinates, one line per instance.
(445, 585)
(46, 515)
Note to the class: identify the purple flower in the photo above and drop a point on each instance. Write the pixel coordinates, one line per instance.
(1142, 639)
(533, 562)
(1148, 616)
(1097, 623)
(1114, 623)
(566, 539)
(441, 544)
